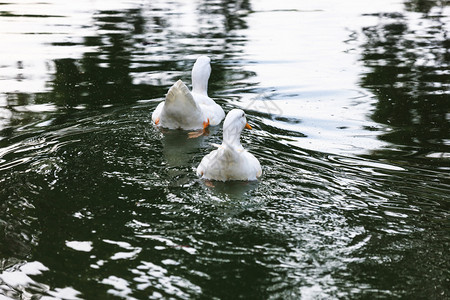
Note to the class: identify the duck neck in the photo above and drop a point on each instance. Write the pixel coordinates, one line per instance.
(200, 76)
(232, 136)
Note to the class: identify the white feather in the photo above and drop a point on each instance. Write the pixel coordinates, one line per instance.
(230, 161)
(190, 111)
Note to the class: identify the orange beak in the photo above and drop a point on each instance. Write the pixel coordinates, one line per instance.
(248, 126)
(157, 121)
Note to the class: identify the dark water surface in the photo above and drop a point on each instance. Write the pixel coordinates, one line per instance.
(350, 108)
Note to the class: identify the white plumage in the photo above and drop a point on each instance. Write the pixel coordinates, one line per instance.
(231, 161)
(187, 110)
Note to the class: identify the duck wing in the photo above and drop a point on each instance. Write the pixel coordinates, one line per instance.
(211, 109)
(224, 163)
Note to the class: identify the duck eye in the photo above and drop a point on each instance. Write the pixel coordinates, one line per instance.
(243, 115)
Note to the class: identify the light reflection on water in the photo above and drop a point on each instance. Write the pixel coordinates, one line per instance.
(95, 200)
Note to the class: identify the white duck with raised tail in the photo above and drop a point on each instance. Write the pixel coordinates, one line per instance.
(190, 110)
(231, 161)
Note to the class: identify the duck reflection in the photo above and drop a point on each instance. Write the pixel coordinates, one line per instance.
(233, 189)
(178, 148)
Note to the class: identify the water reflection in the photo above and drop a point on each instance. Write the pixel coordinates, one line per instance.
(231, 11)
(104, 204)
(424, 6)
(137, 53)
(102, 76)
(408, 61)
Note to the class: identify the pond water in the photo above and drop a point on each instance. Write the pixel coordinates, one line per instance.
(349, 104)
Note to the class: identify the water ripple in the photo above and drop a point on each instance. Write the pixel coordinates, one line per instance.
(95, 200)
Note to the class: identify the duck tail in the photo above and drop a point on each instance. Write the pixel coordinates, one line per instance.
(181, 110)
(179, 91)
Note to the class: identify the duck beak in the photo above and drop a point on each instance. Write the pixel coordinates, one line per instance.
(248, 126)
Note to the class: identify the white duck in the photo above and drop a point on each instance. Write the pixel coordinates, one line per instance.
(231, 161)
(190, 111)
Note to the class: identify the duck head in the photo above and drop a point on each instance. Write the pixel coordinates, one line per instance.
(200, 75)
(233, 125)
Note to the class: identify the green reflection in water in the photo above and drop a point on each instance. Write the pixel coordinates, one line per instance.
(111, 206)
(408, 73)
